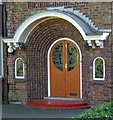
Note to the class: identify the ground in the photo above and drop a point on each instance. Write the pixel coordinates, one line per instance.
(20, 111)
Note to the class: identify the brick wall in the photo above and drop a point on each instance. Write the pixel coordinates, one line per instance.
(112, 55)
(5, 83)
(17, 87)
(99, 13)
(38, 44)
(35, 55)
(0, 91)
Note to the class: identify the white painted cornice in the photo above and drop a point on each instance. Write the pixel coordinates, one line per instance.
(28, 25)
(97, 37)
(8, 40)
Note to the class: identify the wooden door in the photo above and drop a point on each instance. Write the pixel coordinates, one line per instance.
(65, 70)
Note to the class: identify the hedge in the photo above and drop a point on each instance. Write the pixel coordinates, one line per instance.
(105, 112)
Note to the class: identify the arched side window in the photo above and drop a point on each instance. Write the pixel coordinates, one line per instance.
(19, 68)
(98, 69)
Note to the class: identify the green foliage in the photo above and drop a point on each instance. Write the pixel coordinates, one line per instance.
(105, 113)
(13, 96)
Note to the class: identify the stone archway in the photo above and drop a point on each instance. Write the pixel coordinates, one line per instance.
(38, 44)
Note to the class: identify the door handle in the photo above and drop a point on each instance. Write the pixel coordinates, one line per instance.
(66, 65)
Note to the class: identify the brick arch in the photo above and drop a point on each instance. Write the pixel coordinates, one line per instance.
(20, 56)
(38, 44)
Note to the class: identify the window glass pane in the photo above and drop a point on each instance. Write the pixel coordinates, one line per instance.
(99, 68)
(58, 57)
(19, 67)
(72, 57)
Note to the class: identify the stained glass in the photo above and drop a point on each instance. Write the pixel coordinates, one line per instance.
(99, 68)
(58, 57)
(19, 67)
(72, 57)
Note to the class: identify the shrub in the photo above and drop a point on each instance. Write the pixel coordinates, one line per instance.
(105, 112)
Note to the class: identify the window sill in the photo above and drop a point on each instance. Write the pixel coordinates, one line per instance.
(98, 79)
(20, 77)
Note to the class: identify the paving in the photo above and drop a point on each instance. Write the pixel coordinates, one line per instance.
(21, 111)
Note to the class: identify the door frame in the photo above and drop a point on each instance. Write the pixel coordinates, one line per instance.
(48, 64)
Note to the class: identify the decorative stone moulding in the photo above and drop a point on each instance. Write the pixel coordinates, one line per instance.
(85, 26)
(14, 46)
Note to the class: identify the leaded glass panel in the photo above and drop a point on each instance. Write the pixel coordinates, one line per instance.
(19, 67)
(58, 57)
(99, 68)
(72, 57)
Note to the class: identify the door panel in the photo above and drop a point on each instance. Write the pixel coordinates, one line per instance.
(65, 70)
(73, 71)
(57, 72)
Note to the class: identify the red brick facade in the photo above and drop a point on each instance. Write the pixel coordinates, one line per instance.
(35, 83)
(99, 13)
(3, 81)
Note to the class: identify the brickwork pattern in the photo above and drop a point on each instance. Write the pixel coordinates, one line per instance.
(35, 84)
(38, 44)
(4, 80)
(99, 13)
(112, 57)
(17, 87)
(0, 91)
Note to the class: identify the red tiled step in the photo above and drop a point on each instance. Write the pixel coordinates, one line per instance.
(58, 104)
(57, 108)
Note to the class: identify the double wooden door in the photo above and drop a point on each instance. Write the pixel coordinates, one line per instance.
(65, 70)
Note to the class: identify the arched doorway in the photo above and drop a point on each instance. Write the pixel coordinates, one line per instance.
(65, 69)
(38, 44)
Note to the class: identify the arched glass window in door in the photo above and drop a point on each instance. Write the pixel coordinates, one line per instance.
(58, 57)
(19, 68)
(72, 57)
(98, 69)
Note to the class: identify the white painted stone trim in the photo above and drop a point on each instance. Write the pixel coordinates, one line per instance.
(40, 15)
(105, 30)
(48, 64)
(97, 37)
(94, 69)
(56, 8)
(8, 40)
(39, 22)
(104, 36)
(25, 28)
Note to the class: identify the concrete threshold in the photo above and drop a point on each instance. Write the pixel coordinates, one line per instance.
(63, 98)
